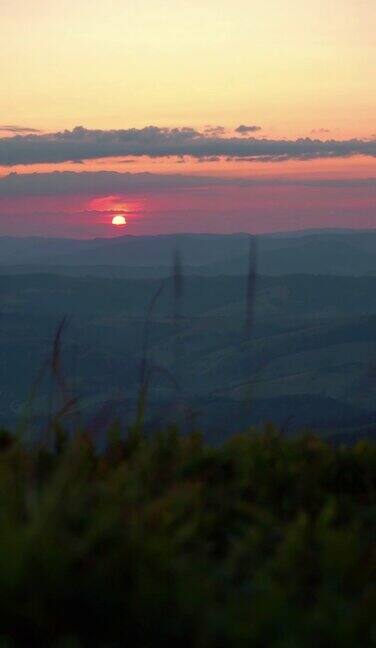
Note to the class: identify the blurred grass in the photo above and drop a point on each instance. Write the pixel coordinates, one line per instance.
(167, 541)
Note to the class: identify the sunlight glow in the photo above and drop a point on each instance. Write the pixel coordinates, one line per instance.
(119, 220)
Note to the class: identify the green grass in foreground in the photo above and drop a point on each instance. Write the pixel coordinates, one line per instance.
(168, 542)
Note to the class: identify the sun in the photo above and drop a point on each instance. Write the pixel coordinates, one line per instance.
(119, 220)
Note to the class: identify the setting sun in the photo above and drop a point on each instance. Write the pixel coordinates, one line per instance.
(119, 220)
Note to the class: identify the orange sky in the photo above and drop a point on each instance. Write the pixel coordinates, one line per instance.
(351, 167)
(289, 65)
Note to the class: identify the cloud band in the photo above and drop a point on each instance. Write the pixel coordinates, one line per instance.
(84, 144)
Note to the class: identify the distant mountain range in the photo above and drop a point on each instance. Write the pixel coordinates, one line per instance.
(325, 252)
(308, 358)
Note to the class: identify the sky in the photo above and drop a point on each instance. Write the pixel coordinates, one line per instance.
(199, 115)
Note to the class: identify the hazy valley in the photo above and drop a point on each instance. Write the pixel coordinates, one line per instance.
(307, 357)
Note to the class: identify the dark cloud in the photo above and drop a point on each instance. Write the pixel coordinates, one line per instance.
(209, 158)
(17, 130)
(215, 130)
(320, 131)
(96, 183)
(84, 144)
(244, 130)
(63, 183)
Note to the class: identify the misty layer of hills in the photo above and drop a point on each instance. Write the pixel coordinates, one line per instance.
(301, 352)
(335, 252)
